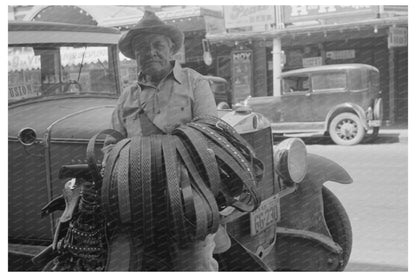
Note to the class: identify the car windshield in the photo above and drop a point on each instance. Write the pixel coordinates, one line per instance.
(35, 71)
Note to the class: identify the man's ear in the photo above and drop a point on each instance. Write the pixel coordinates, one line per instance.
(172, 47)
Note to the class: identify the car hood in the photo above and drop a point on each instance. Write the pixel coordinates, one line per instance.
(71, 117)
(266, 105)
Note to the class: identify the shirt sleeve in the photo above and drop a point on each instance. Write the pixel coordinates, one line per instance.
(204, 102)
(116, 124)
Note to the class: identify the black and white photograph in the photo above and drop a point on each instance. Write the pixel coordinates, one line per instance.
(199, 138)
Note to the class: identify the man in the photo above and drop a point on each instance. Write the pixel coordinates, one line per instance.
(164, 97)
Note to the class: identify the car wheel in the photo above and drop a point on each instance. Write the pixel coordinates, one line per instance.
(346, 129)
(223, 106)
(338, 224)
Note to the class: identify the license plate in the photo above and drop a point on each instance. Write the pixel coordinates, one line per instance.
(267, 214)
(374, 123)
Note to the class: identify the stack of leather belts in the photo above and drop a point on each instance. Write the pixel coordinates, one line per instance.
(170, 188)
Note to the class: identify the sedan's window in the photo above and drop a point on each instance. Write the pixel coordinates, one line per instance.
(52, 70)
(294, 84)
(359, 79)
(329, 82)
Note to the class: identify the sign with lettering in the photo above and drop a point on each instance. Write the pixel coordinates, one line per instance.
(341, 54)
(21, 91)
(313, 12)
(214, 25)
(312, 61)
(242, 73)
(397, 37)
(258, 17)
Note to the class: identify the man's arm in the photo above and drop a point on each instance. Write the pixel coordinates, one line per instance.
(204, 101)
(116, 124)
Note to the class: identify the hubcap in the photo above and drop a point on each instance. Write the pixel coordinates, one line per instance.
(347, 129)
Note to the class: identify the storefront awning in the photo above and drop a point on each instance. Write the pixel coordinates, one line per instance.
(302, 30)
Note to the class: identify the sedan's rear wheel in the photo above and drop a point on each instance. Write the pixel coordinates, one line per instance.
(346, 129)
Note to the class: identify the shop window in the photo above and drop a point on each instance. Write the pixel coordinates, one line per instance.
(329, 82)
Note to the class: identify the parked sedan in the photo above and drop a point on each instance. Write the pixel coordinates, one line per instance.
(342, 100)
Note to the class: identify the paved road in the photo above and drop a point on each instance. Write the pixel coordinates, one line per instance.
(376, 202)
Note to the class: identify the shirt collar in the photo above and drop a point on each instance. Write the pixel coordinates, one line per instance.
(176, 72)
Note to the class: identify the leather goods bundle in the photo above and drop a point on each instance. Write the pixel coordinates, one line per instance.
(158, 193)
(165, 191)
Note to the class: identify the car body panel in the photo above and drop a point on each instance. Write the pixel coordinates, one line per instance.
(41, 114)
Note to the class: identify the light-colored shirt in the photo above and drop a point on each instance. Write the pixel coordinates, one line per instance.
(181, 96)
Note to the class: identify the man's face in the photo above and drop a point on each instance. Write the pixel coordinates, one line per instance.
(153, 53)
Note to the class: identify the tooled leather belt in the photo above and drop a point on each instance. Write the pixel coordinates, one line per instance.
(171, 187)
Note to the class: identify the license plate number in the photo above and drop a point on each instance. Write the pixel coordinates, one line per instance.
(267, 214)
(374, 123)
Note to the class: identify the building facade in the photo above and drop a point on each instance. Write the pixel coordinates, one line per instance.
(251, 45)
(281, 38)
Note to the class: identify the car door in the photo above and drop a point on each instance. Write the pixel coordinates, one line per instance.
(328, 89)
(296, 92)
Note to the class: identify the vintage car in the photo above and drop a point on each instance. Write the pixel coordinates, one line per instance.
(341, 100)
(63, 85)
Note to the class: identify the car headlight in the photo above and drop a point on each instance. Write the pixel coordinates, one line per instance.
(27, 136)
(290, 160)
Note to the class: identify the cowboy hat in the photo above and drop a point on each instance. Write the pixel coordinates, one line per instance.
(149, 24)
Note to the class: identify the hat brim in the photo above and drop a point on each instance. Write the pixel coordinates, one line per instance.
(125, 42)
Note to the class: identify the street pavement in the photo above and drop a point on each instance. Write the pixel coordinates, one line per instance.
(377, 200)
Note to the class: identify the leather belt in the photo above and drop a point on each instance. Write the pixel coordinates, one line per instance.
(167, 188)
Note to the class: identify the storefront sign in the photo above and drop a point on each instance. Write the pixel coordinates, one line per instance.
(22, 58)
(214, 25)
(341, 55)
(258, 17)
(315, 12)
(21, 92)
(397, 37)
(242, 73)
(313, 61)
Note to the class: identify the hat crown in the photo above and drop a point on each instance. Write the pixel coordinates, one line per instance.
(149, 19)
(150, 23)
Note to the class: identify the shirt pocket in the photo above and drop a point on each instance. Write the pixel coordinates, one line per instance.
(179, 110)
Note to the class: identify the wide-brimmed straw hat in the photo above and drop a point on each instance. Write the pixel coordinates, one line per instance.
(150, 24)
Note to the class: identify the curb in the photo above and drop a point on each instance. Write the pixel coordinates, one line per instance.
(402, 134)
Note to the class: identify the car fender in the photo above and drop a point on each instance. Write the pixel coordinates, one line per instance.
(303, 209)
(303, 240)
(346, 107)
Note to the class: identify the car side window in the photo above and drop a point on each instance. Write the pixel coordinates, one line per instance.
(329, 82)
(295, 84)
